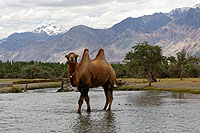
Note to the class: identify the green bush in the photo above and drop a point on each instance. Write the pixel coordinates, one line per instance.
(16, 89)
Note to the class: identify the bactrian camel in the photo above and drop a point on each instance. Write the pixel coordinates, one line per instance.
(89, 74)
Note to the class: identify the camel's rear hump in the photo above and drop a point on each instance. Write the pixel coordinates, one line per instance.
(101, 55)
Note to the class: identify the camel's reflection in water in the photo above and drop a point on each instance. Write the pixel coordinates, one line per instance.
(100, 121)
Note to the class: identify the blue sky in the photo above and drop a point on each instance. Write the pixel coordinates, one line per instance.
(27, 15)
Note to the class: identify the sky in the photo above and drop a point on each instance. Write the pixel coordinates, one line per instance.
(27, 15)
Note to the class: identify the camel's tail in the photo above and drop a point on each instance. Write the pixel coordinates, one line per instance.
(117, 85)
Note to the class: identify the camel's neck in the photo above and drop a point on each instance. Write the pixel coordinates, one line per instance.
(71, 73)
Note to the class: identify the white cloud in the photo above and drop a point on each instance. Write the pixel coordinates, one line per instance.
(26, 15)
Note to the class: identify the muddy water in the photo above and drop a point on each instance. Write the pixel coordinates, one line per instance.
(46, 111)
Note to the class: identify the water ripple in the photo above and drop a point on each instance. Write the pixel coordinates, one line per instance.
(133, 111)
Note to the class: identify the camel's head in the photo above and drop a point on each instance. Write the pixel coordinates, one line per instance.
(72, 58)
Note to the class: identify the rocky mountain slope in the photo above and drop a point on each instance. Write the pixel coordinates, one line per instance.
(172, 31)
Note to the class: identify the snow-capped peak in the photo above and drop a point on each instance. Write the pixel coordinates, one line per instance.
(50, 30)
(196, 6)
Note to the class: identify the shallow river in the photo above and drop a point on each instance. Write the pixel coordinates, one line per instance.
(45, 111)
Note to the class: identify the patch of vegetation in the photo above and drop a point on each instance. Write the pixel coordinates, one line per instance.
(40, 85)
(145, 88)
(184, 90)
(137, 84)
(44, 85)
(133, 80)
(16, 89)
(127, 88)
(32, 70)
(146, 61)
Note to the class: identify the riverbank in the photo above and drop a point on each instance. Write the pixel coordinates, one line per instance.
(6, 85)
(189, 85)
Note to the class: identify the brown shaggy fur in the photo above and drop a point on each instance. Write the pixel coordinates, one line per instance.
(89, 74)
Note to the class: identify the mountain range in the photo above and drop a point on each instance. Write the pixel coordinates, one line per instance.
(173, 31)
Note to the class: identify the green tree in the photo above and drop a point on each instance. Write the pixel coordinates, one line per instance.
(2, 70)
(192, 70)
(119, 70)
(162, 69)
(182, 59)
(31, 71)
(146, 57)
(171, 59)
(18, 69)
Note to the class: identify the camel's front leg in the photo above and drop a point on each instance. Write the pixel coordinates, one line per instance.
(80, 102)
(84, 94)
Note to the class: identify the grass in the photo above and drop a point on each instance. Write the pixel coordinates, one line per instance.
(40, 85)
(44, 85)
(16, 88)
(134, 84)
(138, 84)
(184, 90)
(129, 88)
(170, 80)
(14, 80)
(146, 88)
(135, 80)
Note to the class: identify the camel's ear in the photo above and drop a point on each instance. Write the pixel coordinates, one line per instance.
(67, 56)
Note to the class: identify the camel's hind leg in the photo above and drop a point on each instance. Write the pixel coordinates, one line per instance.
(106, 94)
(110, 97)
(108, 89)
